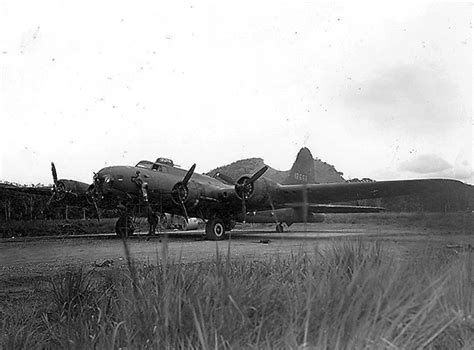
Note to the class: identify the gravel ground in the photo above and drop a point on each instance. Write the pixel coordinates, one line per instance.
(23, 257)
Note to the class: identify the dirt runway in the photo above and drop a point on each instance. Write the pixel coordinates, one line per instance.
(33, 256)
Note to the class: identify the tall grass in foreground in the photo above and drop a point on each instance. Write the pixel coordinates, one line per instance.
(352, 295)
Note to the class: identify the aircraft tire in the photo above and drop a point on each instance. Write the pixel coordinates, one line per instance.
(215, 230)
(124, 227)
(279, 228)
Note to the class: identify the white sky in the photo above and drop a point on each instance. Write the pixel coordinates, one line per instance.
(378, 90)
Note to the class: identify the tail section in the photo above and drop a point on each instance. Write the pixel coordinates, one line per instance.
(302, 171)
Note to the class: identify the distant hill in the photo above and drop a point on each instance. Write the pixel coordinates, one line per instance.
(324, 172)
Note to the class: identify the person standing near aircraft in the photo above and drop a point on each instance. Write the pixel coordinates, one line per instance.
(152, 222)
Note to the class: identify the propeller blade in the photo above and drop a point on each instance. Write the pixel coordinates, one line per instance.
(185, 212)
(227, 179)
(257, 175)
(96, 210)
(50, 199)
(189, 174)
(244, 209)
(91, 197)
(55, 174)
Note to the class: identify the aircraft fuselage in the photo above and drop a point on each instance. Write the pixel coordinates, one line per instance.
(123, 183)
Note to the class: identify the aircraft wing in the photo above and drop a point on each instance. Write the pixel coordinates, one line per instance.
(43, 190)
(66, 192)
(342, 192)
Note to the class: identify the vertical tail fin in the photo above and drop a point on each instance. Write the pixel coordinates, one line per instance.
(302, 171)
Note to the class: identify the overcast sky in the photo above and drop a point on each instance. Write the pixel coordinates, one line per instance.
(381, 91)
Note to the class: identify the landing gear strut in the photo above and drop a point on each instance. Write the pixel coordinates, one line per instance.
(124, 227)
(215, 229)
(229, 225)
(279, 227)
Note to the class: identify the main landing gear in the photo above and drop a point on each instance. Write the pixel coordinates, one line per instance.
(124, 227)
(279, 228)
(216, 228)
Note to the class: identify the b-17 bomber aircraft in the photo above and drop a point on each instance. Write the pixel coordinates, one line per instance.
(161, 187)
(222, 201)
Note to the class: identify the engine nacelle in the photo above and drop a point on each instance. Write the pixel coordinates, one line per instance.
(77, 187)
(254, 193)
(189, 193)
(76, 192)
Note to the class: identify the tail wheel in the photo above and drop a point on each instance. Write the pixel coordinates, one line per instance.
(215, 230)
(124, 227)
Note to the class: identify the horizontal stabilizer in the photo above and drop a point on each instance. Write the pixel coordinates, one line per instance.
(335, 208)
(330, 208)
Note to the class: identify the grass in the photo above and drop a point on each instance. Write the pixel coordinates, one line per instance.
(457, 222)
(351, 295)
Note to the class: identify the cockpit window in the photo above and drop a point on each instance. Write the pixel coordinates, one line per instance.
(159, 167)
(145, 164)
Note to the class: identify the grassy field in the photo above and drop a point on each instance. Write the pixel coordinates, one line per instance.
(448, 222)
(352, 295)
(439, 223)
(457, 221)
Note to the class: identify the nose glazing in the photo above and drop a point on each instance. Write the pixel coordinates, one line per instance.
(103, 181)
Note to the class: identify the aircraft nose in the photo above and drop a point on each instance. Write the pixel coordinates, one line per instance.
(103, 180)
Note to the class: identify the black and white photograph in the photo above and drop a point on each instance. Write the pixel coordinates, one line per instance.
(236, 175)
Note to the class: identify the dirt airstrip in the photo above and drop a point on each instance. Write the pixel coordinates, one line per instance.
(42, 256)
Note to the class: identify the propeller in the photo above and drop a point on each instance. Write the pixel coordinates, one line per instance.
(96, 210)
(188, 175)
(258, 174)
(92, 197)
(59, 189)
(244, 188)
(55, 174)
(180, 191)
